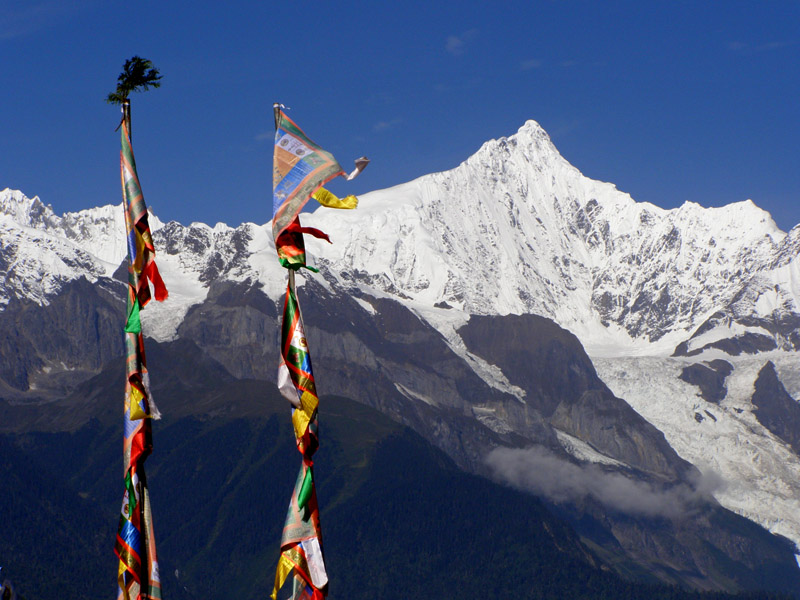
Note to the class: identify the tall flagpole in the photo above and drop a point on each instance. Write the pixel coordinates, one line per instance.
(300, 169)
(137, 574)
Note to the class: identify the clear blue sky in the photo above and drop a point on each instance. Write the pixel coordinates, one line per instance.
(671, 101)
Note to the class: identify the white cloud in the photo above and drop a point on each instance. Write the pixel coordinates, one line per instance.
(457, 44)
(531, 63)
(564, 128)
(384, 125)
(26, 18)
(745, 48)
(543, 473)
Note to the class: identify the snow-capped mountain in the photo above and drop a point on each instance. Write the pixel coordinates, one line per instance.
(40, 251)
(680, 310)
(517, 229)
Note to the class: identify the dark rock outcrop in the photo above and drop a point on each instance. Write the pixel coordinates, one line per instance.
(710, 379)
(775, 408)
(238, 326)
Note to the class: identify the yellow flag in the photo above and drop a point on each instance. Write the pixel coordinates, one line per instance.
(136, 397)
(330, 200)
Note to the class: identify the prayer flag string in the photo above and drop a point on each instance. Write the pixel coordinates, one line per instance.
(300, 169)
(135, 546)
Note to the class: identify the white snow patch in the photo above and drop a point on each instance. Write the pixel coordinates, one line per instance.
(160, 320)
(263, 261)
(366, 306)
(412, 395)
(583, 451)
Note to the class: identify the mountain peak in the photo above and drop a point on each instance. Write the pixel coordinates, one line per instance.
(531, 127)
(28, 212)
(517, 229)
(531, 140)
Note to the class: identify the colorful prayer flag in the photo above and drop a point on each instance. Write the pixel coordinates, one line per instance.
(300, 168)
(301, 544)
(138, 575)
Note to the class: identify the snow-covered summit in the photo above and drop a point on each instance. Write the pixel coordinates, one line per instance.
(83, 225)
(96, 231)
(24, 211)
(516, 228)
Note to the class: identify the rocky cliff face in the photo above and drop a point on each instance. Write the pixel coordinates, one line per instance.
(47, 349)
(562, 388)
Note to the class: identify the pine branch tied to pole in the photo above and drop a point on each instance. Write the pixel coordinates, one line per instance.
(138, 75)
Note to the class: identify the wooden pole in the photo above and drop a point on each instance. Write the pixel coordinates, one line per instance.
(276, 109)
(126, 116)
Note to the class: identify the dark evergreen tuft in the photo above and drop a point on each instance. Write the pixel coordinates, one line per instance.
(138, 75)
